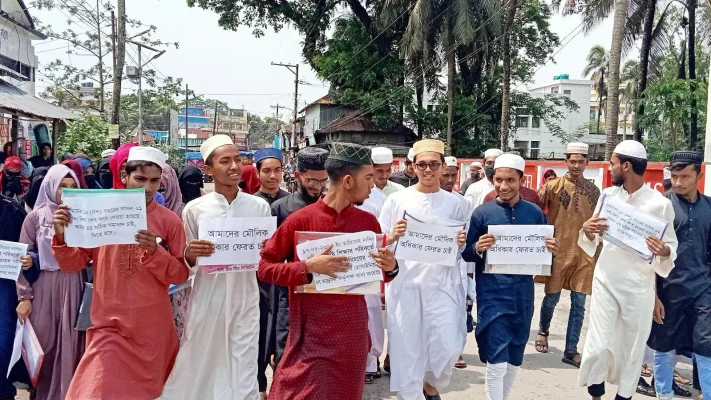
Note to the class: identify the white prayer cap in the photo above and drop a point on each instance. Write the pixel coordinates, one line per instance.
(381, 155)
(108, 153)
(145, 153)
(450, 161)
(667, 173)
(477, 164)
(631, 148)
(493, 153)
(510, 161)
(411, 155)
(212, 143)
(577, 148)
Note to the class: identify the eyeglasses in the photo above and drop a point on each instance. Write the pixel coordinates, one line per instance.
(314, 182)
(433, 166)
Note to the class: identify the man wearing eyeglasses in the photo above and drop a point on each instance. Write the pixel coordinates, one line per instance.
(425, 332)
(312, 179)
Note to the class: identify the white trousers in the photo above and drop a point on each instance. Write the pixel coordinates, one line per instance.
(376, 329)
(500, 379)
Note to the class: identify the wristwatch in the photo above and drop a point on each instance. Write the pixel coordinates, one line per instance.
(393, 273)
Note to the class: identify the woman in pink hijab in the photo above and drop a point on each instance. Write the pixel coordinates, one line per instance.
(118, 160)
(52, 302)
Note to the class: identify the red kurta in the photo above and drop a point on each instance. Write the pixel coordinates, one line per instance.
(132, 345)
(527, 194)
(328, 340)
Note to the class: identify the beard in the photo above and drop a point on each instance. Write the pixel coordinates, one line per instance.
(489, 171)
(618, 180)
(306, 195)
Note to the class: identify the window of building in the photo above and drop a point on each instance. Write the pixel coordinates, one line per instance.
(522, 111)
(535, 149)
(567, 92)
(592, 114)
(522, 122)
(535, 122)
(521, 146)
(554, 89)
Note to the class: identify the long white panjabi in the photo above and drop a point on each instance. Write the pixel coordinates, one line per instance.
(373, 204)
(622, 300)
(218, 356)
(476, 192)
(464, 266)
(424, 302)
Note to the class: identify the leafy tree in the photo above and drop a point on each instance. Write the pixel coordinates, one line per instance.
(262, 131)
(88, 135)
(176, 157)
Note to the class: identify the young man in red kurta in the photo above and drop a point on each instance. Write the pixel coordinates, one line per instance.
(328, 341)
(132, 345)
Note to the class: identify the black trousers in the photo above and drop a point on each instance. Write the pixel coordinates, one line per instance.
(266, 349)
(598, 390)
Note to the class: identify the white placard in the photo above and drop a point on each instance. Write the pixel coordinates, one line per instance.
(520, 245)
(16, 347)
(10, 264)
(237, 240)
(357, 247)
(629, 227)
(429, 243)
(104, 216)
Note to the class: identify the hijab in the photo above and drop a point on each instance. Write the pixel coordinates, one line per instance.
(250, 177)
(190, 181)
(85, 163)
(13, 184)
(78, 171)
(45, 207)
(117, 160)
(104, 176)
(171, 192)
(37, 177)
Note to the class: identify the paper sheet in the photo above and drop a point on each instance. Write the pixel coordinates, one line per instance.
(238, 241)
(10, 264)
(104, 216)
(31, 351)
(16, 348)
(431, 243)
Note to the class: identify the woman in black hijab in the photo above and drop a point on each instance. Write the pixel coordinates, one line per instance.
(35, 183)
(190, 180)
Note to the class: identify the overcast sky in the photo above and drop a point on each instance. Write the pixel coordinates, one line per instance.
(235, 66)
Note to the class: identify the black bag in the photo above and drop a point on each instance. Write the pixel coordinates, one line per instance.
(84, 315)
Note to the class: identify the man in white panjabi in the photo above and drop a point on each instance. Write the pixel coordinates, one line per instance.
(382, 165)
(447, 182)
(218, 357)
(622, 301)
(425, 303)
(476, 192)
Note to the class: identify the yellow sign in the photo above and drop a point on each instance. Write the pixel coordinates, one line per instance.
(113, 131)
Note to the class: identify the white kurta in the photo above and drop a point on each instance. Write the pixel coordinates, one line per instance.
(477, 192)
(424, 302)
(463, 265)
(622, 299)
(218, 356)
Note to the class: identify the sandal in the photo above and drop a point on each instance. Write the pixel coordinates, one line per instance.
(569, 358)
(378, 373)
(386, 365)
(431, 396)
(369, 378)
(460, 363)
(646, 372)
(542, 345)
(681, 379)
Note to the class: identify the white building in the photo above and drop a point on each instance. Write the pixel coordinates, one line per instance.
(534, 140)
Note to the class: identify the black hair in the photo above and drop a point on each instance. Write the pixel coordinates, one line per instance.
(133, 166)
(209, 160)
(45, 144)
(441, 157)
(259, 163)
(567, 155)
(639, 165)
(549, 173)
(337, 169)
(678, 166)
(667, 185)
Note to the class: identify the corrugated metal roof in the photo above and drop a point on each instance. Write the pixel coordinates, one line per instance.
(13, 98)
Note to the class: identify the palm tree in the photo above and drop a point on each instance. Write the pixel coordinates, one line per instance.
(630, 78)
(613, 81)
(506, 79)
(598, 60)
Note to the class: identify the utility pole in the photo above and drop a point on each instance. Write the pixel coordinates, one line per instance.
(119, 49)
(140, 81)
(294, 71)
(101, 60)
(214, 124)
(187, 93)
(277, 118)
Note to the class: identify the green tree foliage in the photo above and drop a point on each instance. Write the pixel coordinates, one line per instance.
(262, 131)
(88, 135)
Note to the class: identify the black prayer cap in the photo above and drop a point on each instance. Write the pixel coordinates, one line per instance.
(686, 157)
(311, 158)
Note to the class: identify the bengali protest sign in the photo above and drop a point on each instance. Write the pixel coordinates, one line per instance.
(10, 253)
(357, 247)
(433, 243)
(237, 240)
(104, 216)
(519, 250)
(629, 227)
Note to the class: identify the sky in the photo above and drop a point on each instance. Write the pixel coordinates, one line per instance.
(235, 66)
